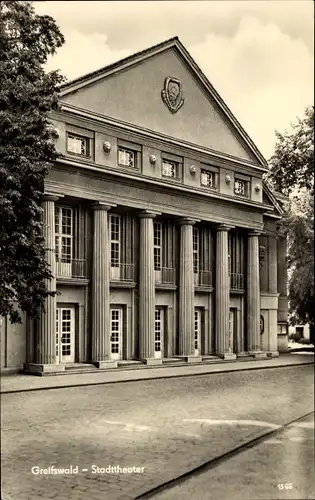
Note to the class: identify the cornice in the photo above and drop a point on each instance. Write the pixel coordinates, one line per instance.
(157, 136)
(93, 194)
(163, 184)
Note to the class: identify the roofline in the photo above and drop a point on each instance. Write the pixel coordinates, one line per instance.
(272, 196)
(125, 60)
(174, 42)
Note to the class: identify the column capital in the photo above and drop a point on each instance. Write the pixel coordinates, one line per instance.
(51, 197)
(188, 221)
(148, 214)
(224, 227)
(255, 232)
(102, 206)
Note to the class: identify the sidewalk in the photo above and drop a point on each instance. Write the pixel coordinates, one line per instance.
(22, 383)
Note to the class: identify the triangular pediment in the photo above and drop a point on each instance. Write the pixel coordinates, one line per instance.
(132, 91)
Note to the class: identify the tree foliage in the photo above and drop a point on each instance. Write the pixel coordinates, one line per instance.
(292, 173)
(298, 224)
(27, 95)
(292, 164)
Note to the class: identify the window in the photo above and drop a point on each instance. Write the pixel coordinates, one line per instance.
(157, 245)
(78, 145)
(63, 234)
(196, 249)
(172, 166)
(114, 240)
(282, 329)
(169, 169)
(241, 187)
(126, 157)
(129, 154)
(209, 177)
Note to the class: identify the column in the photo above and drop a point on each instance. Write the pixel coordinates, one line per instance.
(147, 290)
(253, 296)
(273, 289)
(186, 292)
(222, 293)
(45, 352)
(100, 289)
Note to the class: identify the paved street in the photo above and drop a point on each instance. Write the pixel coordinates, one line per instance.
(280, 467)
(166, 427)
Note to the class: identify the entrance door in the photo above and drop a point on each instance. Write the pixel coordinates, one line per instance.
(116, 322)
(159, 333)
(65, 335)
(232, 329)
(197, 329)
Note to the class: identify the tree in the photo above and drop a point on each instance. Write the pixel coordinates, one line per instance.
(292, 173)
(292, 164)
(27, 96)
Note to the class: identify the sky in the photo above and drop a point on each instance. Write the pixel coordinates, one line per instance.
(258, 55)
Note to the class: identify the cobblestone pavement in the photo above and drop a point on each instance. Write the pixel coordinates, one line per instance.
(282, 467)
(166, 426)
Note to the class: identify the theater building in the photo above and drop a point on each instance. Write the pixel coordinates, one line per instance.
(163, 234)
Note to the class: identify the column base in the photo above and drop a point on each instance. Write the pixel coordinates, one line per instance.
(257, 354)
(191, 358)
(39, 369)
(242, 354)
(152, 361)
(104, 365)
(227, 355)
(273, 354)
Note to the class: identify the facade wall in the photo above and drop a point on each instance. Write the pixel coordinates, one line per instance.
(158, 219)
(13, 344)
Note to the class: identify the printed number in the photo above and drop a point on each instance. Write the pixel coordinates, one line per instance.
(286, 486)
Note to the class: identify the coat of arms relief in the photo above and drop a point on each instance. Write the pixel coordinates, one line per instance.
(172, 95)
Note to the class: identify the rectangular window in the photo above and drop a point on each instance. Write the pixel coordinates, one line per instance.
(241, 187)
(115, 239)
(196, 249)
(126, 157)
(78, 145)
(63, 234)
(169, 169)
(157, 245)
(207, 178)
